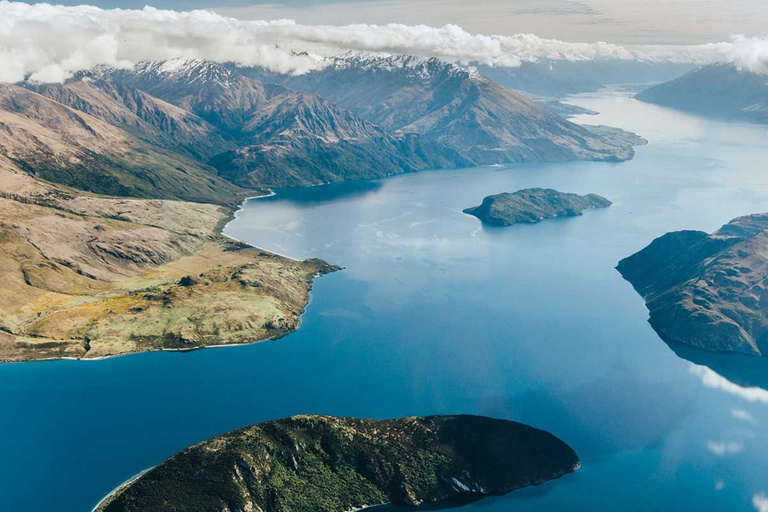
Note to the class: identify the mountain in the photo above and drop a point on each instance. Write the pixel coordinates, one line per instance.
(533, 205)
(327, 464)
(707, 291)
(558, 78)
(59, 144)
(720, 90)
(145, 116)
(453, 106)
(196, 130)
(283, 138)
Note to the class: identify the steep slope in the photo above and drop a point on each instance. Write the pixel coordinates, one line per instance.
(327, 464)
(148, 118)
(707, 291)
(718, 91)
(453, 106)
(283, 138)
(59, 144)
(533, 205)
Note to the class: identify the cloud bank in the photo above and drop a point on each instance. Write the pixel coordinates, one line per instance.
(48, 43)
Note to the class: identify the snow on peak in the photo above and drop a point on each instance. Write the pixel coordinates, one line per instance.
(417, 67)
(190, 70)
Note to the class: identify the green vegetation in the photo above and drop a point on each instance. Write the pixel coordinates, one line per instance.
(533, 205)
(327, 464)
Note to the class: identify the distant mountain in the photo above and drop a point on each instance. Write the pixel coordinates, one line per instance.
(283, 138)
(451, 105)
(557, 78)
(718, 91)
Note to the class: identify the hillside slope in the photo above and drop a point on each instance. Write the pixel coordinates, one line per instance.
(327, 464)
(707, 291)
(62, 145)
(283, 138)
(85, 276)
(453, 106)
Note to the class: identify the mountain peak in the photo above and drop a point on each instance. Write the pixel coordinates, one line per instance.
(187, 70)
(420, 68)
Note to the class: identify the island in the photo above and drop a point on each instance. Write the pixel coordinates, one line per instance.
(707, 291)
(533, 205)
(329, 464)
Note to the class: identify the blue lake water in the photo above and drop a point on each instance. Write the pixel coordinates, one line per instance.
(436, 314)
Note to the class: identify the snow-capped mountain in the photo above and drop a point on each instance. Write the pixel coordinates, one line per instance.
(361, 116)
(452, 105)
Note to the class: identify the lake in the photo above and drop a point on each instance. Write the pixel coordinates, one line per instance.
(436, 314)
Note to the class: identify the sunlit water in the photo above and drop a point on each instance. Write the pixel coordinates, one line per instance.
(435, 314)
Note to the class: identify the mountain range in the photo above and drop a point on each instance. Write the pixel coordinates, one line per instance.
(195, 130)
(456, 107)
(557, 78)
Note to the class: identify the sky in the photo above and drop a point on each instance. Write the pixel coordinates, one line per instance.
(619, 21)
(49, 43)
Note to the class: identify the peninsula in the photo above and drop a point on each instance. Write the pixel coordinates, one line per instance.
(87, 276)
(707, 291)
(329, 464)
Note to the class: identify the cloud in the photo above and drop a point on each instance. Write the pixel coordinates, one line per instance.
(741, 414)
(713, 380)
(48, 43)
(721, 449)
(760, 502)
(750, 54)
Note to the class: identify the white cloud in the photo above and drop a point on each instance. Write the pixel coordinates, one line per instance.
(49, 43)
(713, 380)
(721, 449)
(750, 53)
(741, 414)
(760, 502)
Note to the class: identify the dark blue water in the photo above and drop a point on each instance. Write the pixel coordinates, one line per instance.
(436, 314)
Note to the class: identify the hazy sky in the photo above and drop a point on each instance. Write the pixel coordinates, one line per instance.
(623, 21)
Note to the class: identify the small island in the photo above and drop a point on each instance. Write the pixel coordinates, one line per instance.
(707, 291)
(329, 464)
(533, 205)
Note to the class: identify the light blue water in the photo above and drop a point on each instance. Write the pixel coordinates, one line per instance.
(436, 314)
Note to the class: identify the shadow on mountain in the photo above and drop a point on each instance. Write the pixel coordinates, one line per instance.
(334, 192)
(745, 371)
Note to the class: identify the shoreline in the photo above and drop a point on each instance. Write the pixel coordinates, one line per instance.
(219, 229)
(121, 487)
(178, 350)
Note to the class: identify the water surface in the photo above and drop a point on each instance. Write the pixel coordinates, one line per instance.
(435, 314)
